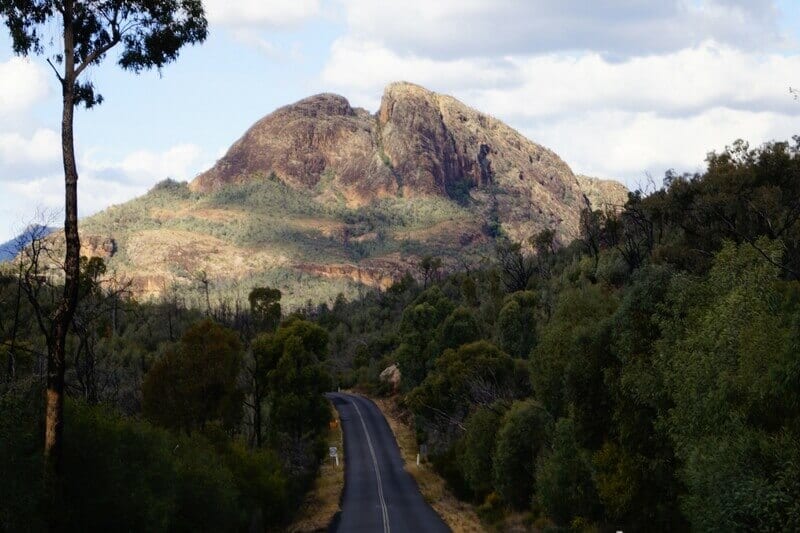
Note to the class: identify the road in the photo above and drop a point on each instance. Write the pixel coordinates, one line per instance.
(379, 495)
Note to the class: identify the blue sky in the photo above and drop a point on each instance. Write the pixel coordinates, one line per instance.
(619, 88)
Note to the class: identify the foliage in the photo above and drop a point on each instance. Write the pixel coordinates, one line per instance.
(515, 329)
(740, 318)
(265, 306)
(196, 382)
(525, 431)
(480, 436)
(564, 485)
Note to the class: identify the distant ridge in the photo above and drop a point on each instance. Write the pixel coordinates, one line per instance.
(9, 250)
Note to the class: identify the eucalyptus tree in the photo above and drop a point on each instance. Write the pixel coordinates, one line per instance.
(149, 34)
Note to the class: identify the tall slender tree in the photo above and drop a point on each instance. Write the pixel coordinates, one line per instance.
(150, 34)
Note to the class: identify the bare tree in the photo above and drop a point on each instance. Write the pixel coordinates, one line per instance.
(517, 267)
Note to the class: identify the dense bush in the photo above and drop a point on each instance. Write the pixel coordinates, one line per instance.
(124, 473)
(652, 364)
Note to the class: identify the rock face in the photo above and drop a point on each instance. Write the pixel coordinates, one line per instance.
(319, 199)
(418, 144)
(391, 376)
(320, 144)
(603, 194)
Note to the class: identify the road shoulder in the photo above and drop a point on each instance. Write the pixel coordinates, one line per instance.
(458, 515)
(323, 502)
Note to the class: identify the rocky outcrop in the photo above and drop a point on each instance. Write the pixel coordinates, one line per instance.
(418, 143)
(97, 246)
(320, 144)
(364, 197)
(603, 194)
(391, 376)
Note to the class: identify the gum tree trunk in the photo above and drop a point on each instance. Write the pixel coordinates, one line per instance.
(54, 410)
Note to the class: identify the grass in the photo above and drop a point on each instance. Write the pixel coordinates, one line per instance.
(322, 503)
(459, 516)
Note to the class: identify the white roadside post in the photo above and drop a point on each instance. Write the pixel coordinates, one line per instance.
(334, 453)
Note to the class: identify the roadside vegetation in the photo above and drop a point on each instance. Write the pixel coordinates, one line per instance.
(323, 501)
(644, 377)
(175, 420)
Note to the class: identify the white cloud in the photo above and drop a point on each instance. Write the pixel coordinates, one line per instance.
(261, 13)
(627, 145)
(22, 84)
(103, 181)
(180, 162)
(43, 148)
(362, 69)
(683, 83)
(609, 118)
(620, 28)
(252, 38)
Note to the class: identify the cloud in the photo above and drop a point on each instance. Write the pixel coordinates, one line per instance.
(523, 88)
(26, 154)
(275, 52)
(273, 14)
(364, 68)
(103, 180)
(447, 29)
(144, 167)
(615, 119)
(628, 145)
(22, 84)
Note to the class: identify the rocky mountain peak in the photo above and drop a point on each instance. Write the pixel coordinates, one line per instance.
(419, 143)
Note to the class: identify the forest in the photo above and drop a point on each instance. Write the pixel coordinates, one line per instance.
(643, 377)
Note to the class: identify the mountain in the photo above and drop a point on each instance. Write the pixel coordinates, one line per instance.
(9, 250)
(319, 198)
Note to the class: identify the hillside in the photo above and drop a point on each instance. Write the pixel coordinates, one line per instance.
(319, 197)
(10, 249)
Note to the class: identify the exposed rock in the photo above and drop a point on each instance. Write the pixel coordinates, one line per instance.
(603, 194)
(317, 143)
(363, 197)
(97, 246)
(419, 143)
(392, 376)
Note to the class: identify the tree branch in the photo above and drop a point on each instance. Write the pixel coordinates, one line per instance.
(58, 74)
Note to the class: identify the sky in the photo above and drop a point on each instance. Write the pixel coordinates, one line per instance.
(621, 89)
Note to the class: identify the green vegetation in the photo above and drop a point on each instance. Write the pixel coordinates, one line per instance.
(644, 377)
(266, 215)
(165, 414)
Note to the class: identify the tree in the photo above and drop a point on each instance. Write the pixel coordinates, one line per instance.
(293, 372)
(429, 266)
(459, 328)
(729, 353)
(473, 375)
(516, 267)
(477, 459)
(523, 434)
(515, 329)
(265, 305)
(418, 334)
(196, 381)
(564, 484)
(151, 35)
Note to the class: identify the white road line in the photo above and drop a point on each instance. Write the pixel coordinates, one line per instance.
(384, 510)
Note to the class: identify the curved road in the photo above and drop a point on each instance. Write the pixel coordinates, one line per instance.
(379, 495)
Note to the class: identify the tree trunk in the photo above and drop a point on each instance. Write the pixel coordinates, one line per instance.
(54, 410)
(257, 418)
(12, 356)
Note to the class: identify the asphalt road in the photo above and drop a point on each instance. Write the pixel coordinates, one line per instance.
(379, 495)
